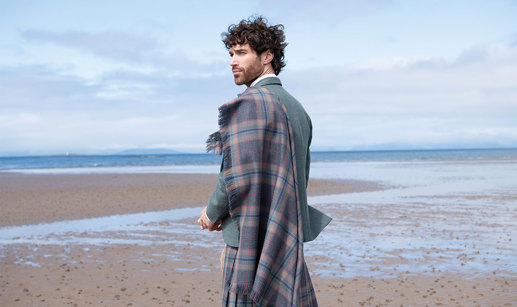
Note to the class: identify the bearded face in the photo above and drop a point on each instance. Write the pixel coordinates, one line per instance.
(246, 64)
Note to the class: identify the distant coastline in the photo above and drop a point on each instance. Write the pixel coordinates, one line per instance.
(165, 151)
(201, 162)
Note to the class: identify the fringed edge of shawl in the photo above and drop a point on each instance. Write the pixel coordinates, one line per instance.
(215, 142)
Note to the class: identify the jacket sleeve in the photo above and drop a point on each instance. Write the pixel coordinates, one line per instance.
(218, 207)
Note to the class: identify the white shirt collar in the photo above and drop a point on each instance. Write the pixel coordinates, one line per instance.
(262, 77)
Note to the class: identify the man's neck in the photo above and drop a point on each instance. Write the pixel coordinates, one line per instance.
(261, 78)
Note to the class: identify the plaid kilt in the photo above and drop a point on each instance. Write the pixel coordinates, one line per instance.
(231, 298)
(259, 170)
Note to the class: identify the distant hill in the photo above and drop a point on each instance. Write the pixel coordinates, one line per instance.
(148, 151)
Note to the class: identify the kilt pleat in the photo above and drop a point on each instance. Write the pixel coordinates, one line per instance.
(308, 299)
(230, 298)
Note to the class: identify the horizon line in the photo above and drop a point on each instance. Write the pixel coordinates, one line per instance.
(312, 151)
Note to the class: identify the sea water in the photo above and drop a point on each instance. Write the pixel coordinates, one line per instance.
(208, 162)
(440, 211)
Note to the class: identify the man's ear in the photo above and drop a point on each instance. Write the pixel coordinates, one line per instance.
(267, 57)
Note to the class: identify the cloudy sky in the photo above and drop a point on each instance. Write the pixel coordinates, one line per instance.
(104, 76)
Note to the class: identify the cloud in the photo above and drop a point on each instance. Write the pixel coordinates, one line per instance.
(30, 86)
(112, 44)
(401, 102)
(134, 48)
(61, 130)
(413, 101)
(44, 111)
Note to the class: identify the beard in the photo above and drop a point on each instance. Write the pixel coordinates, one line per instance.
(248, 74)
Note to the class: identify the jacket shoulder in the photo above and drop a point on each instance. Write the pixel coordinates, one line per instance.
(258, 93)
(262, 97)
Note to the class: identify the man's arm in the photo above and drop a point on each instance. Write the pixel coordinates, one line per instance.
(217, 208)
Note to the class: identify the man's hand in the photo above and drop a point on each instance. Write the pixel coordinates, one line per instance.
(205, 223)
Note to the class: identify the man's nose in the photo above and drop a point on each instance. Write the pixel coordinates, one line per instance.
(233, 62)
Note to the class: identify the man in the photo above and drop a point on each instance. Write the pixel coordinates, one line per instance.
(260, 201)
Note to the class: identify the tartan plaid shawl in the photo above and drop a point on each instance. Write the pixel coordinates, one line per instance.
(260, 175)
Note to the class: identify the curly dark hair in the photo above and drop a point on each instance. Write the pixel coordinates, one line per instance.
(260, 37)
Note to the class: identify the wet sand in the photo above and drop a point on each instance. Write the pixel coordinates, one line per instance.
(137, 276)
(94, 269)
(31, 199)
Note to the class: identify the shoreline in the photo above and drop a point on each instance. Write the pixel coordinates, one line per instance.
(386, 246)
(33, 199)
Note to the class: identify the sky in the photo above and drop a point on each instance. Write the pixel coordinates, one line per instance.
(100, 77)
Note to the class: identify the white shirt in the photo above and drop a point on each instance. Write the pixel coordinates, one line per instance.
(262, 77)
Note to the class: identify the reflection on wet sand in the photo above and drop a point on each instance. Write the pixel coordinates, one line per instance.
(428, 233)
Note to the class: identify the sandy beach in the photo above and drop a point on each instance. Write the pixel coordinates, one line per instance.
(32, 199)
(166, 260)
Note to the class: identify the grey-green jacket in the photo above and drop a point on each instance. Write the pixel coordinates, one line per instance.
(313, 220)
